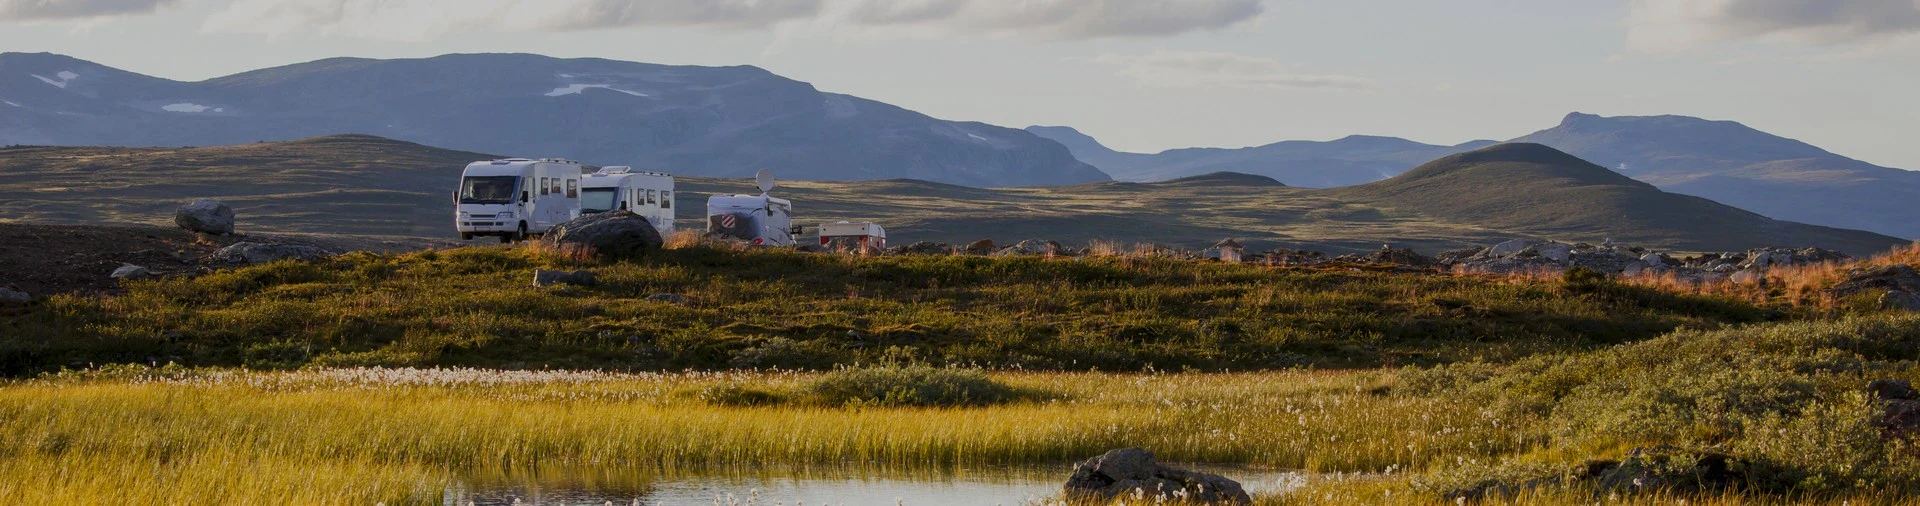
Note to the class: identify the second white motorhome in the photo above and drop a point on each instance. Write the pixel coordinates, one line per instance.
(761, 220)
(516, 198)
(648, 194)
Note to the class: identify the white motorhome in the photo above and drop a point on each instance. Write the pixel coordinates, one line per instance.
(648, 194)
(761, 220)
(516, 197)
(857, 236)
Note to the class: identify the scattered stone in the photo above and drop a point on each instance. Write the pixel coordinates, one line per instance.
(1511, 248)
(205, 216)
(255, 253)
(1899, 277)
(1398, 256)
(616, 234)
(1034, 247)
(1900, 418)
(670, 298)
(11, 296)
(980, 247)
(543, 278)
(1901, 301)
(1555, 251)
(923, 248)
(1460, 255)
(1129, 471)
(1747, 276)
(130, 271)
(1655, 260)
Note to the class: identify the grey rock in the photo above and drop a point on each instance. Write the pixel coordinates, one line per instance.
(616, 234)
(205, 216)
(1898, 277)
(670, 298)
(1654, 259)
(923, 248)
(255, 253)
(1892, 390)
(1747, 276)
(543, 277)
(11, 296)
(1555, 251)
(1511, 248)
(1035, 247)
(1902, 301)
(130, 271)
(1122, 472)
(981, 247)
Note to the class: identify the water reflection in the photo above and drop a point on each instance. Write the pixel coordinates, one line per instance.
(799, 487)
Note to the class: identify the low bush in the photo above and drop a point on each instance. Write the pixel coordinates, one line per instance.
(906, 385)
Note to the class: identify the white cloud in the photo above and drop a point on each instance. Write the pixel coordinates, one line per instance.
(37, 10)
(1658, 26)
(1186, 69)
(417, 20)
(1048, 19)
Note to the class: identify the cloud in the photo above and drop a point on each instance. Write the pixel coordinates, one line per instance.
(1050, 19)
(1677, 25)
(1183, 69)
(419, 20)
(416, 20)
(43, 10)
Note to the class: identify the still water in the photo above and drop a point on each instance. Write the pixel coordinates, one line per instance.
(832, 487)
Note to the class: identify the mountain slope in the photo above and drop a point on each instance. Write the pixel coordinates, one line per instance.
(360, 184)
(1347, 161)
(1746, 168)
(715, 121)
(1537, 189)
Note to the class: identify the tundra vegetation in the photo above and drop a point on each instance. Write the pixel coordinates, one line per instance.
(383, 378)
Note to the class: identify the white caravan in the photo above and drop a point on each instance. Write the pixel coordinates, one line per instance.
(758, 219)
(648, 194)
(859, 236)
(516, 197)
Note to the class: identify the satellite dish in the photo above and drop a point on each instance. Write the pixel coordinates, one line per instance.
(764, 179)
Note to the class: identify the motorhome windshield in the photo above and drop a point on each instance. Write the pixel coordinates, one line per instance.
(487, 189)
(597, 200)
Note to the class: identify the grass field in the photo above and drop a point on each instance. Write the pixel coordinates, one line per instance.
(764, 309)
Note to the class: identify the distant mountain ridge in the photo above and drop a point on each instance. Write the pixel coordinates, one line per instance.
(1724, 161)
(711, 121)
(1346, 161)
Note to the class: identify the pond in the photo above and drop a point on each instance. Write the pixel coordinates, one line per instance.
(800, 487)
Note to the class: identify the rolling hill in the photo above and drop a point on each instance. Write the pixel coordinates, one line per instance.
(369, 185)
(1525, 186)
(711, 121)
(1724, 161)
(1739, 166)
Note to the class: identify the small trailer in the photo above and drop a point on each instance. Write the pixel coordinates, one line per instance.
(618, 188)
(860, 236)
(515, 198)
(761, 220)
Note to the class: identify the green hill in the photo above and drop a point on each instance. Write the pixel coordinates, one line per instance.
(1539, 190)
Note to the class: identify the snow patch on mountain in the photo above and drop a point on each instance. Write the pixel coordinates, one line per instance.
(10, 102)
(977, 137)
(190, 107)
(575, 89)
(65, 77)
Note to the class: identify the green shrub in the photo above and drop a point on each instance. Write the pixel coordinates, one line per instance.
(908, 385)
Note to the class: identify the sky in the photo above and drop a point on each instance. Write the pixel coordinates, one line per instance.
(1140, 75)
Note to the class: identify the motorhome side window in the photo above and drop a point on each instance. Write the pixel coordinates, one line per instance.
(555, 184)
(666, 199)
(573, 188)
(652, 198)
(543, 186)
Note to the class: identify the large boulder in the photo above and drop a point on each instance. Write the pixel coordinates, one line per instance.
(255, 253)
(1511, 248)
(980, 247)
(1132, 472)
(615, 234)
(1035, 247)
(1901, 301)
(205, 216)
(1900, 407)
(1558, 252)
